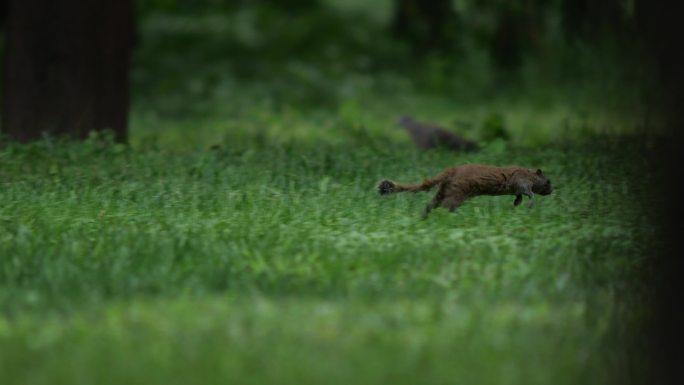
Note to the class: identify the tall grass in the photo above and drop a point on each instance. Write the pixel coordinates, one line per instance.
(281, 264)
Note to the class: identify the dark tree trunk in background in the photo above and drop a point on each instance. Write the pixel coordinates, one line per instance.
(294, 4)
(506, 48)
(519, 30)
(426, 25)
(66, 68)
(3, 13)
(660, 25)
(586, 19)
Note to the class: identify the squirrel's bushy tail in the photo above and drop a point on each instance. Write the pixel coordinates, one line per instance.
(387, 186)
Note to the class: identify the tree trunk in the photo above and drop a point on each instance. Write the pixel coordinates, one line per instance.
(506, 47)
(66, 68)
(660, 26)
(426, 25)
(519, 29)
(585, 19)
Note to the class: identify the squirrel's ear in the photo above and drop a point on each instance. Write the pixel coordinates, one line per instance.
(539, 172)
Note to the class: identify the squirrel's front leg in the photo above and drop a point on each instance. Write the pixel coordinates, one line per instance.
(518, 200)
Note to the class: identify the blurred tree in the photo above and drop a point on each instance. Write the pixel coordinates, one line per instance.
(66, 68)
(587, 19)
(3, 13)
(293, 4)
(427, 26)
(506, 46)
(518, 30)
(658, 24)
(209, 6)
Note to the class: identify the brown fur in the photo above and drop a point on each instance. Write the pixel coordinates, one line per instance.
(427, 136)
(459, 183)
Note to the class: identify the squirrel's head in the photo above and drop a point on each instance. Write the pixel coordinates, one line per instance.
(404, 120)
(542, 184)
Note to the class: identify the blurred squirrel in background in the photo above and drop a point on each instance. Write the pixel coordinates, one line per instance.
(427, 136)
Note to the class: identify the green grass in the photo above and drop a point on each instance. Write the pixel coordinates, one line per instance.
(240, 239)
(279, 263)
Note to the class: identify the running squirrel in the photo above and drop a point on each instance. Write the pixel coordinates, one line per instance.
(456, 184)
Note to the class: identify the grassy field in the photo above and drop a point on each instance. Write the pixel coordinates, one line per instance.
(240, 239)
(280, 264)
